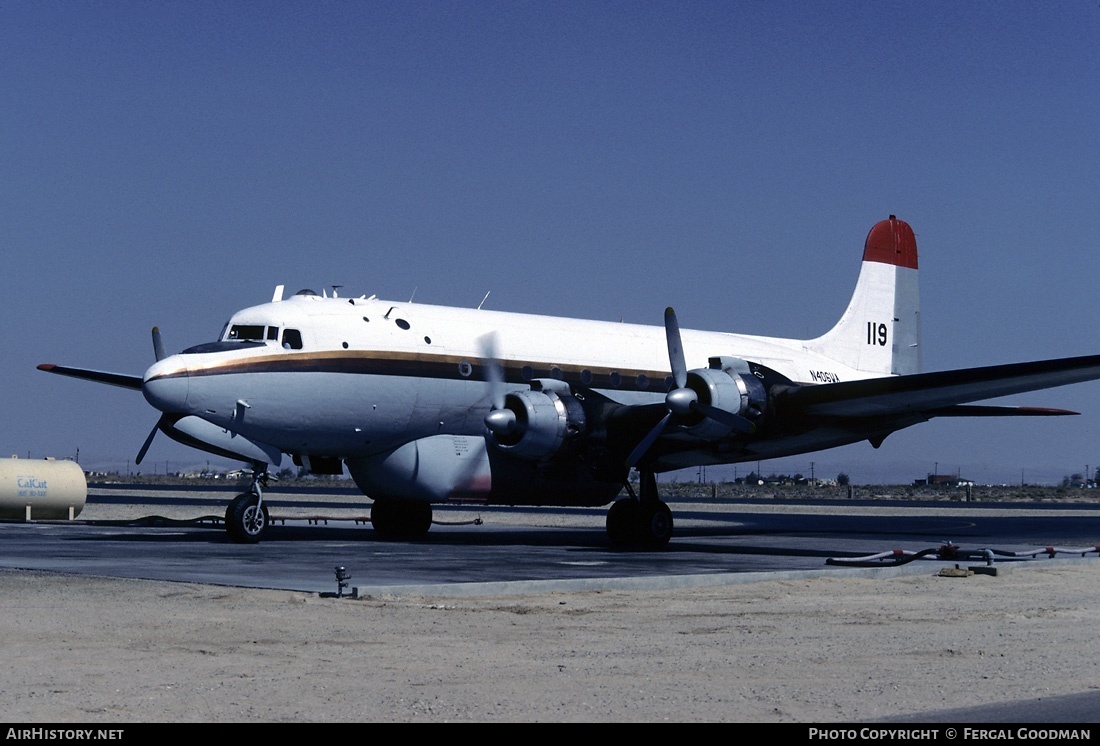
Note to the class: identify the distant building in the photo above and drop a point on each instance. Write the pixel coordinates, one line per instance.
(942, 480)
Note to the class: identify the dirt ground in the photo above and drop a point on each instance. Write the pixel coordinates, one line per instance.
(80, 649)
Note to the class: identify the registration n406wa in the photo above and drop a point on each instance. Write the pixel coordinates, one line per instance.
(427, 404)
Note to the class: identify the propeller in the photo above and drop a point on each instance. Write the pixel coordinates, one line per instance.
(158, 344)
(500, 420)
(682, 400)
(148, 442)
(158, 353)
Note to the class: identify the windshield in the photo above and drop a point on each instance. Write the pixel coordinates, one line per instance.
(254, 332)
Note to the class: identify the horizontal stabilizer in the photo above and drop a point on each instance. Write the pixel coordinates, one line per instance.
(99, 376)
(924, 393)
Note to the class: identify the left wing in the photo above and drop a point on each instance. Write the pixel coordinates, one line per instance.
(804, 418)
(939, 394)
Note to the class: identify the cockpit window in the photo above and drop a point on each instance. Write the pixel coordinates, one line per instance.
(292, 339)
(246, 331)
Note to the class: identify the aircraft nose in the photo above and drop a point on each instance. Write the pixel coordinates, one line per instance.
(165, 385)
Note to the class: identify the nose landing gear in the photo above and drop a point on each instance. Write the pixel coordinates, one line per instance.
(246, 517)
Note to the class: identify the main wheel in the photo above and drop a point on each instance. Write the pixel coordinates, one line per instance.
(622, 522)
(246, 519)
(401, 519)
(654, 525)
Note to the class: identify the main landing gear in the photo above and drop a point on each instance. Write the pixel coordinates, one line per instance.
(246, 518)
(640, 521)
(401, 519)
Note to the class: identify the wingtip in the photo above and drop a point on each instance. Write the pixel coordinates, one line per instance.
(1050, 412)
(48, 367)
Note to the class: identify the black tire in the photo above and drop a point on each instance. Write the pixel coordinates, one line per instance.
(246, 521)
(654, 525)
(622, 523)
(418, 518)
(401, 519)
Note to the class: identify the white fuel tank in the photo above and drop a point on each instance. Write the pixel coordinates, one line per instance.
(41, 489)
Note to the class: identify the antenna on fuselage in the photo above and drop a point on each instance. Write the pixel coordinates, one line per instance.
(413, 293)
(277, 296)
(334, 289)
(482, 303)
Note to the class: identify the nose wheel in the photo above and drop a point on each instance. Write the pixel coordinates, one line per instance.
(246, 517)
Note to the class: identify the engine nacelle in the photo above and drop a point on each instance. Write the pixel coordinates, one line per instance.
(728, 384)
(548, 417)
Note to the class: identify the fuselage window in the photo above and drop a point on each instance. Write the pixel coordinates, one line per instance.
(642, 382)
(273, 333)
(292, 339)
(401, 323)
(247, 331)
(616, 379)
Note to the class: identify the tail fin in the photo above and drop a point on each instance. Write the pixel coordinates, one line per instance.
(880, 330)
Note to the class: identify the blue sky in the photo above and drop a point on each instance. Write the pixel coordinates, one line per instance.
(169, 163)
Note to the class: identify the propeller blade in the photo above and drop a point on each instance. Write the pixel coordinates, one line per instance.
(675, 348)
(650, 438)
(494, 372)
(158, 345)
(148, 442)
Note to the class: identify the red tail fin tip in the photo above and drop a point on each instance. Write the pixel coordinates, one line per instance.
(891, 242)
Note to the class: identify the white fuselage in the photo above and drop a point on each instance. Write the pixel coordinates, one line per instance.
(369, 375)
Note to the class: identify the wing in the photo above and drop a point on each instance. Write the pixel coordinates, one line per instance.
(99, 376)
(938, 394)
(805, 418)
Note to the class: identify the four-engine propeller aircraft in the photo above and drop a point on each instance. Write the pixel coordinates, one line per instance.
(426, 404)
